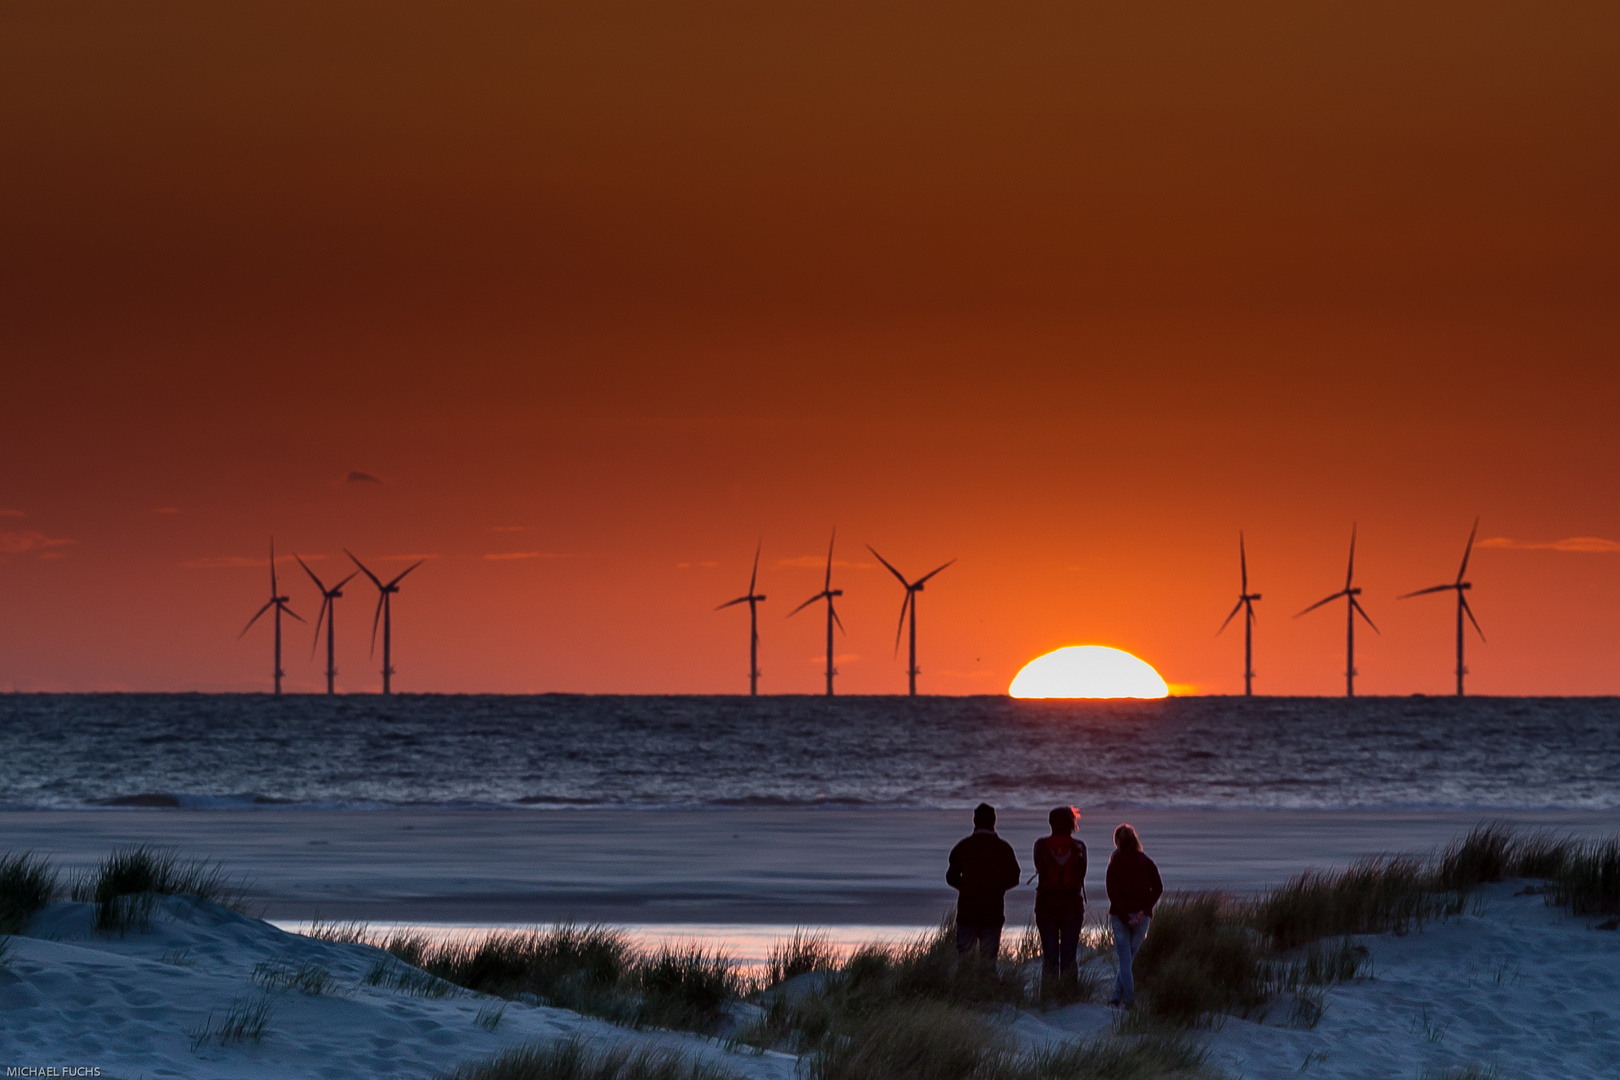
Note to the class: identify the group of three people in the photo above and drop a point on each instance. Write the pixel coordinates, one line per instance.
(983, 868)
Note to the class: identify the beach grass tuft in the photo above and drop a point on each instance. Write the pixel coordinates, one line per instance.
(27, 883)
(245, 1021)
(572, 1061)
(918, 1040)
(310, 979)
(128, 881)
(801, 954)
(686, 988)
(1588, 880)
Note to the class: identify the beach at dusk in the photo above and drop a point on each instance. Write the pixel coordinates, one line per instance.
(709, 540)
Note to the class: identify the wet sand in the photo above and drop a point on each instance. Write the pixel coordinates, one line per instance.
(767, 867)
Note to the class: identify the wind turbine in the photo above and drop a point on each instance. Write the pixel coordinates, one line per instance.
(752, 601)
(912, 589)
(278, 602)
(385, 612)
(329, 613)
(1461, 587)
(827, 593)
(1352, 609)
(1245, 604)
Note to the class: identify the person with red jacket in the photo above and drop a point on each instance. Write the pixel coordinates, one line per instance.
(1134, 887)
(982, 869)
(1060, 897)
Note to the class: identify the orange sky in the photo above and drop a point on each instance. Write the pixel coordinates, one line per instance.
(1068, 293)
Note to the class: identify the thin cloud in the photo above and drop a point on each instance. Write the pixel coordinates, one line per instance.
(12, 513)
(1586, 545)
(357, 477)
(689, 565)
(406, 558)
(503, 556)
(236, 562)
(819, 562)
(26, 540)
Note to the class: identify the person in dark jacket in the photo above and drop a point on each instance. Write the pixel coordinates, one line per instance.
(1060, 895)
(1134, 887)
(982, 869)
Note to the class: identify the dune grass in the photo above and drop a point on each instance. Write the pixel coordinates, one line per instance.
(1210, 953)
(588, 969)
(572, 1061)
(27, 883)
(246, 1020)
(128, 881)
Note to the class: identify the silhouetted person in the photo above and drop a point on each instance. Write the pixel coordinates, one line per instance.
(982, 869)
(1060, 895)
(1134, 888)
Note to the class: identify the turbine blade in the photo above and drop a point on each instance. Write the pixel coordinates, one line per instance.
(315, 644)
(754, 577)
(1350, 571)
(1421, 592)
(1357, 608)
(339, 586)
(310, 572)
(407, 570)
(827, 585)
(374, 579)
(291, 612)
(1467, 551)
(1470, 613)
(272, 566)
(930, 574)
(807, 603)
(898, 575)
(382, 598)
(1243, 562)
(1229, 618)
(1324, 600)
(255, 619)
(899, 630)
(731, 603)
(836, 619)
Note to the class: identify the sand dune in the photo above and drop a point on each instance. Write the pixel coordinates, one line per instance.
(1513, 984)
(71, 997)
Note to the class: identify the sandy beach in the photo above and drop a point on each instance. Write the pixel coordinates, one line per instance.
(1512, 984)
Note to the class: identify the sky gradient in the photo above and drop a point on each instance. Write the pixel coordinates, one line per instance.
(592, 297)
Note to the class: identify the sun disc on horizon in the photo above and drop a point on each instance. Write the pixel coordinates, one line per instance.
(1088, 671)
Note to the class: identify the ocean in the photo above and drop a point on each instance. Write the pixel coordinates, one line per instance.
(740, 818)
(559, 751)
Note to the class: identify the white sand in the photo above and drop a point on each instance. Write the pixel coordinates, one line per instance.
(1514, 984)
(74, 998)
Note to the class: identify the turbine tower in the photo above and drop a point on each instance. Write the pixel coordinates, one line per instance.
(278, 602)
(912, 589)
(827, 593)
(1352, 609)
(1461, 587)
(1245, 604)
(329, 613)
(753, 601)
(385, 612)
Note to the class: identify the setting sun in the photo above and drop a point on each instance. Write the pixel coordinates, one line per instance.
(1088, 671)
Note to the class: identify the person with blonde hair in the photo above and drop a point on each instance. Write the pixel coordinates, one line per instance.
(1134, 887)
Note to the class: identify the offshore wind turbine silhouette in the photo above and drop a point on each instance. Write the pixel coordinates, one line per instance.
(827, 593)
(912, 589)
(1352, 609)
(1245, 604)
(1461, 587)
(278, 602)
(385, 612)
(753, 602)
(329, 613)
